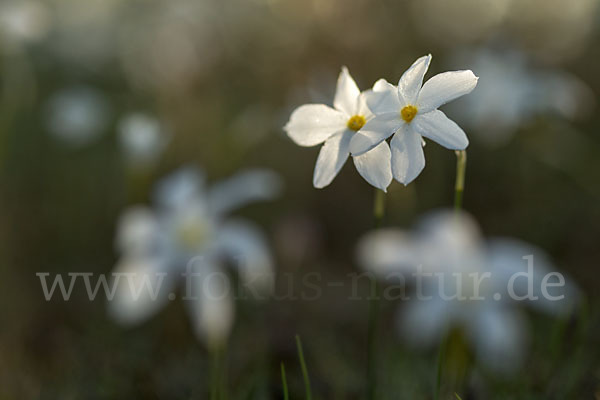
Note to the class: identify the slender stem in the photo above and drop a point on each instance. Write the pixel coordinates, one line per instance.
(379, 207)
(304, 369)
(440, 362)
(371, 342)
(215, 373)
(286, 395)
(378, 213)
(459, 186)
(223, 389)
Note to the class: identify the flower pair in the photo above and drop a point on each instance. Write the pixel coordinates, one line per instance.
(359, 124)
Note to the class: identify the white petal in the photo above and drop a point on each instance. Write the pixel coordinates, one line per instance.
(332, 157)
(411, 81)
(451, 242)
(499, 335)
(375, 131)
(408, 159)
(506, 259)
(141, 288)
(243, 188)
(211, 304)
(388, 251)
(375, 166)
(445, 87)
(425, 322)
(436, 126)
(180, 187)
(246, 245)
(383, 98)
(137, 231)
(362, 108)
(312, 124)
(346, 93)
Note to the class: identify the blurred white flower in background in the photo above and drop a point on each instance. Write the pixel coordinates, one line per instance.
(190, 223)
(24, 21)
(143, 138)
(313, 124)
(77, 115)
(512, 93)
(450, 257)
(409, 111)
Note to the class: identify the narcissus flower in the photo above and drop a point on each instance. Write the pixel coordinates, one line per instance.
(189, 234)
(143, 139)
(410, 110)
(513, 94)
(314, 124)
(469, 285)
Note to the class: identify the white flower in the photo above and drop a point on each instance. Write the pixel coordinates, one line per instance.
(77, 115)
(313, 124)
(24, 20)
(448, 254)
(513, 93)
(410, 111)
(188, 234)
(142, 137)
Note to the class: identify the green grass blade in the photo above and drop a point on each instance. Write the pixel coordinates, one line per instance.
(304, 369)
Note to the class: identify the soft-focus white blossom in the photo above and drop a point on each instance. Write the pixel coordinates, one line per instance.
(512, 92)
(466, 283)
(409, 111)
(24, 20)
(143, 138)
(188, 232)
(314, 124)
(78, 115)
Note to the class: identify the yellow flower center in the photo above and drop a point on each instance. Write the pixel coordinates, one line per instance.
(408, 113)
(356, 122)
(191, 235)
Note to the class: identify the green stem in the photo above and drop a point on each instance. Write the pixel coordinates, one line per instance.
(378, 214)
(371, 334)
(459, 186)
(304, 369)
(438, 378)
(286, 395)
(379, 207)
(215, 373)
(218, 384)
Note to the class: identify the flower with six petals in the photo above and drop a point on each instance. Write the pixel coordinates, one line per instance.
(313, 124)
(409, 112)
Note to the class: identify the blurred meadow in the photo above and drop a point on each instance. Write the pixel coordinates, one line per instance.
(102, 99)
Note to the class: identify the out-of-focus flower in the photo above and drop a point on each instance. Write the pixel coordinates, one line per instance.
(313, 124)
(77, 115)
(468, 284)
(24, 20)
(189, 234)
(143, 138)
(512, 93)
(409, 112)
